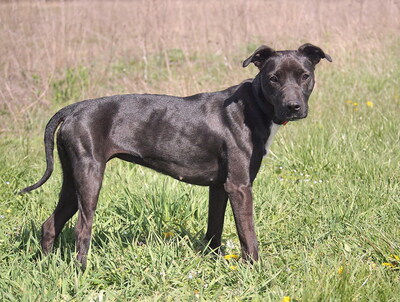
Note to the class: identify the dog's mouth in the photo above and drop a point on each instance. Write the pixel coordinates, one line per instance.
(290, 117)
(296, 117)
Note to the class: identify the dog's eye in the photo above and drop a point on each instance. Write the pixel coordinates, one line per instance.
(305, 76)
(273, 79)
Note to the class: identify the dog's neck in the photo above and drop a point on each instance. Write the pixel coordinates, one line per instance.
(262, 103)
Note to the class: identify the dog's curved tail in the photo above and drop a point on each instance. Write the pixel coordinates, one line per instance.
(49, 131)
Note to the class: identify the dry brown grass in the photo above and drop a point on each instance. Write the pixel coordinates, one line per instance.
(39, 40)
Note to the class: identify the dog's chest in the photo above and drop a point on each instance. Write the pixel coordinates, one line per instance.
(272, 131)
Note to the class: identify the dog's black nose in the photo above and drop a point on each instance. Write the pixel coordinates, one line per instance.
(293, 106)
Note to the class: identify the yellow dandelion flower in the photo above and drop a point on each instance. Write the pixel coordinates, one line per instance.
(8, 211)
(370, 104)
(286, 299)
(388, 264)
(340, 270)
(231, 256)
(395, 257)
(349, 102)
(355, 104)
(233, 267)
(168, 235)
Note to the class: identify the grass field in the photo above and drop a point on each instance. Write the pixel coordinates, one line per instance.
(327, 200)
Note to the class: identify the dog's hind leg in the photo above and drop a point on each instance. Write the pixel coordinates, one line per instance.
(88, 178)
(66, 208)
(218, 199)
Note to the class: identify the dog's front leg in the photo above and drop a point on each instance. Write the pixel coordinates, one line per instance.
(241, 199)
(216, 213)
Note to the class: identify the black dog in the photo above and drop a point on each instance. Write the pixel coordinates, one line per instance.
(213, 139)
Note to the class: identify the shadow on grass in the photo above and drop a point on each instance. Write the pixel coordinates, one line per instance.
(27, 241)
(125, 238)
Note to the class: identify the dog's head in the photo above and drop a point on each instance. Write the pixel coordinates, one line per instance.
(287, 78)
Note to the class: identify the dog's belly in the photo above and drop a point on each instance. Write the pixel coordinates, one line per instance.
(203, 173)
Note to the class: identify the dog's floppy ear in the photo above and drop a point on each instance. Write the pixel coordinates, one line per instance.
(314, 53)
(259, 56)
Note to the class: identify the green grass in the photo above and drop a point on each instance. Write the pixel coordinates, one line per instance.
(326, 203)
